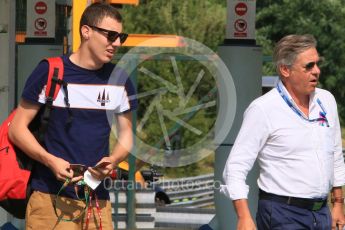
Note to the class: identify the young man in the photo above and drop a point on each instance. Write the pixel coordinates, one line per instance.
(78, 133)
(297, 143)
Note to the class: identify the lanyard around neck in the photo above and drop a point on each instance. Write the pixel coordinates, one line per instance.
(294, 108)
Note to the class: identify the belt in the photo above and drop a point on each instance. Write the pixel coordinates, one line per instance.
(306, 203)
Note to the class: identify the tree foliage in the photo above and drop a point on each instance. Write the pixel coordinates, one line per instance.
(203, 21)
(325, 20)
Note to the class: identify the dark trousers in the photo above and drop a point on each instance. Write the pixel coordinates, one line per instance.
(274, 215)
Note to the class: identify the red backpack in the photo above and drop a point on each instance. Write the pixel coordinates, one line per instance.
(15, 166)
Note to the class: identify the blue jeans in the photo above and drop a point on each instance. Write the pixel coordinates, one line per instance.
(274, 215)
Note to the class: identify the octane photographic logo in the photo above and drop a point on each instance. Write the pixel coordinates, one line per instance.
(186, 101)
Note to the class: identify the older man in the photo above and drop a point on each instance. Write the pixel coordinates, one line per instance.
(294, 133)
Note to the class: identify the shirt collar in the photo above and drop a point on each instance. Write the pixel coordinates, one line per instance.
(286, 93)
(312, 98)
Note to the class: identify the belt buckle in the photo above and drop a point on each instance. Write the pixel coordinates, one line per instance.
(317, 205)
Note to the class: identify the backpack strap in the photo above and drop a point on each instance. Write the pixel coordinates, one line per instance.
(55, 77)
(54, 83)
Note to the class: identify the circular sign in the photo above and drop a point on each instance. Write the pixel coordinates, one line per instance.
(40, 24)
(240, 25)
(41, 7)
(241, 9)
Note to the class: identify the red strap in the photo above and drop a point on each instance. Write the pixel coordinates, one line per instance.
(54, 62)
(88, 215)
(99, 212)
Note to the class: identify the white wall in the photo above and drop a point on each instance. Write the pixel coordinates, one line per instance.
(7, 28)
(7, 56)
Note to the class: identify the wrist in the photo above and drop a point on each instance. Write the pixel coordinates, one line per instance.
(337, 200)
(48, 159)
(113, 161)
(242, 209)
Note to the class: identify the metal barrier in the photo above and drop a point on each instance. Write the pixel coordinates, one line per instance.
(182, 218)
(190, 192)
(188, 198)
(145, 207)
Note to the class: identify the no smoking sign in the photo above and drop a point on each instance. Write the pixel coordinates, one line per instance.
(240, 25)
(40, 24)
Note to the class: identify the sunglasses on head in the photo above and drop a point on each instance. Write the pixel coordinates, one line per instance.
(310, 65)
(111, 34)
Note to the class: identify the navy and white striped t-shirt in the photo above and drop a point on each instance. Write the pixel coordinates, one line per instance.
(94, 97)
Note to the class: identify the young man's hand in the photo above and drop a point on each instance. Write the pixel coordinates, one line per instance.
(61, 169)
(102, 169)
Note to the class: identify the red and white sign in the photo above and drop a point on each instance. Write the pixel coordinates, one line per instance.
(40, 7)
(241, 19)
(40, 26)
(241, 8)
(40, 21)
(240, 27)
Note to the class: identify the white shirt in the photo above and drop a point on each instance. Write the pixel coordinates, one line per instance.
(296, 157)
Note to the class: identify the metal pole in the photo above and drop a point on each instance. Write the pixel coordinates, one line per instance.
(78, 7)
(12, 55)
(131, 159)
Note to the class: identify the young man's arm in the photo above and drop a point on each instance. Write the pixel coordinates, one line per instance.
(245, 220)
(121, 149)
(125, 139)
(21, 136)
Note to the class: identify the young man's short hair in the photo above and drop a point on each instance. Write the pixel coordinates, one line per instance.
(96, 12)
